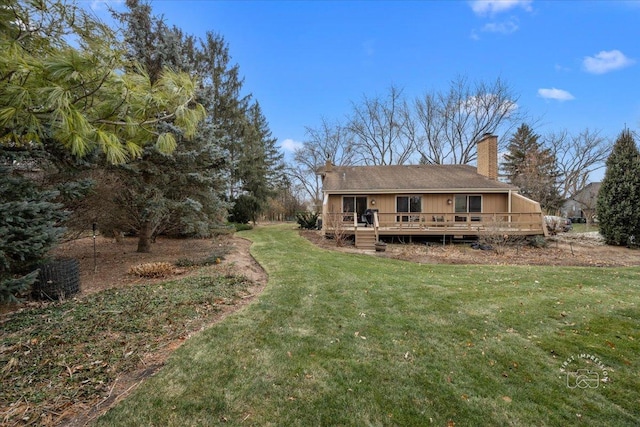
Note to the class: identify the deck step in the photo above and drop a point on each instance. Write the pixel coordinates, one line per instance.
(365, 238)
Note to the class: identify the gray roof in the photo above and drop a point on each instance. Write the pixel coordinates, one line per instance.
(408, 178)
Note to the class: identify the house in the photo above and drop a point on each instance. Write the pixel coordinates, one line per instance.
(582, 206)
(445, 201)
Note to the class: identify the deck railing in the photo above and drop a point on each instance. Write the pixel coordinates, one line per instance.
(445, 223)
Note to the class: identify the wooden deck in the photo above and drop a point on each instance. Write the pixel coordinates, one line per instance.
(435, 224)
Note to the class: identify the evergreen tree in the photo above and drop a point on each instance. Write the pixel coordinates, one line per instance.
(532, 168)
(253, 165)
(180, 193)
(66, 94)
(261, 166)
(618, 206)
(245, 209)
(83, 98)
(29, 227)
(227, 107)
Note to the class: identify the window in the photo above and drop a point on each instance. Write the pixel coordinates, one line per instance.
(408, 204)
(350, 204)
(465, 204)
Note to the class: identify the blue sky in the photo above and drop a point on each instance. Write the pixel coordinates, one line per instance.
(574, 64)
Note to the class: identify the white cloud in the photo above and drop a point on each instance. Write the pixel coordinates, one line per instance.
(505, 27)
(290, 145)
(493, 7)
(557, 94)
(605, 61)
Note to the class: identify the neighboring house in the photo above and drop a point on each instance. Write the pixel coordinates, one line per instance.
(370, 202)
(583, 203)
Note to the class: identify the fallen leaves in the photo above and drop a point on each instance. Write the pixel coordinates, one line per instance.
(73, 351)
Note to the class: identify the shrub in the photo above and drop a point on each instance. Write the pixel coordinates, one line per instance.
(538, 242)
(495, 238)
(186, 262)
(243, 227)
(307, 220)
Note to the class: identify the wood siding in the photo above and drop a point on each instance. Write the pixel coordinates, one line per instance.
(431, 203)
(438, 215)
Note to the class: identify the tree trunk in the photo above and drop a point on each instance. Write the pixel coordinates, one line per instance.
(144, 237)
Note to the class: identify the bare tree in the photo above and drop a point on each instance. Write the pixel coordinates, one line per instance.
(450, 123)
(331, 141)
(428, 131)
(577, 157)
(308, 182)
(378, 125)
(328, 142)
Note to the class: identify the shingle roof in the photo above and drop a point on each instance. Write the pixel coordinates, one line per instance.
(407, 178)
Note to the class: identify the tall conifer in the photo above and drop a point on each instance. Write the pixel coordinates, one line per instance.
(180, 193)
(532, 168)
(618, 206)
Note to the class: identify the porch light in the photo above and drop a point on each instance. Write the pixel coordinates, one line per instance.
(373, 202)
(449, 201)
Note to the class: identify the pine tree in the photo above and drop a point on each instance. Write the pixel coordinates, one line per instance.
(261, 165)
(29, 227)
(532, 168)
(177, 193)
(83, 97)
(233, 145)
(226, 106)
(67, 96)
(618, 206)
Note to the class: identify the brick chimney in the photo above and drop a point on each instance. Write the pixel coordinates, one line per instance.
(487, 148)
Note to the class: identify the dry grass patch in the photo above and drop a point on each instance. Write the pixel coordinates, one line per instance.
(154, 270)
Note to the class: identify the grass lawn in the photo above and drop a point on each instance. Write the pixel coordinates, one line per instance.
(582, 227)
(353, 340)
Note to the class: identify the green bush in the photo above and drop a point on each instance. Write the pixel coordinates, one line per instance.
(243, 227)
(307, 220)
(245, 209)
